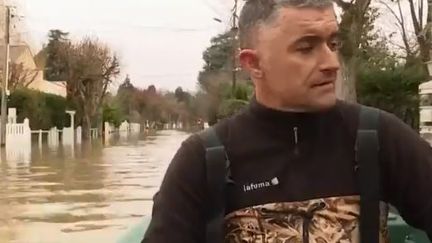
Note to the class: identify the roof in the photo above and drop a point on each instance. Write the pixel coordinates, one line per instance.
(15, 52)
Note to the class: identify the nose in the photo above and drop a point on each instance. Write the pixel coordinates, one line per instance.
(329, 60)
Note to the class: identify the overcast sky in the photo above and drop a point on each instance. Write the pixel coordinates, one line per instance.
(159, 41)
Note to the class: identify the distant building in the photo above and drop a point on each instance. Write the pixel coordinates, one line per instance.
(21, 54)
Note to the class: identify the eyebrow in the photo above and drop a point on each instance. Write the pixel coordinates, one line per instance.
(336, 34)
(315, 38)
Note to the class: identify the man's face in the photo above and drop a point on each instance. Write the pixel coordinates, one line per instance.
(297, 57)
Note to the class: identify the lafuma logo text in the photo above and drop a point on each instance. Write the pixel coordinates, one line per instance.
(261, 185)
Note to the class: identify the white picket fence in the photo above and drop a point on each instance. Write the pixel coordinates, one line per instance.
(109, 128)
(17, 133)
(124, 127)
(135, 128)
(53, 137)
(78, 135)
(124, 130)
(18, 139)
(68, 136)
(173, 125)
(19, 136)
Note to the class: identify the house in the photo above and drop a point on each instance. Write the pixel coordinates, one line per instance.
(23, 69)
(29, 75)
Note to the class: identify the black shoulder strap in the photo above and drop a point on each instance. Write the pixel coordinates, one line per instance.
(367, 148)
(217, 165)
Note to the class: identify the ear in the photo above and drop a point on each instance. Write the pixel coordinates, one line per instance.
(249, 61)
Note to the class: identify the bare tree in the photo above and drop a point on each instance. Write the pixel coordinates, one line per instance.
(419, 32)
(408, 47)
(354, 21)
(91, 69)
(21, 77)
(422, 30)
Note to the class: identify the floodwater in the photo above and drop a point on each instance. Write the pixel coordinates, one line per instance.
(82, 194)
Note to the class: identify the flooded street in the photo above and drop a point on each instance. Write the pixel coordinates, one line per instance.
(86, 195)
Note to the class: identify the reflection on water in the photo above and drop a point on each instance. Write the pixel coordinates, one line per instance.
(85, 194)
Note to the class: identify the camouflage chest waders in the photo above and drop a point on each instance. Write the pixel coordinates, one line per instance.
(366, 168)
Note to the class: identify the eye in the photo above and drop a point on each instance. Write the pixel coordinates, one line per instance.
(305, 47)
(335, 44)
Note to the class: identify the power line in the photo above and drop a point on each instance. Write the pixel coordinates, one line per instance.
(166, 75)
(158, 28)
(174, 29)
(211, 7)
(140, 26)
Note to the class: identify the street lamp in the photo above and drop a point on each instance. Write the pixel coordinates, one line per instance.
(234, 33)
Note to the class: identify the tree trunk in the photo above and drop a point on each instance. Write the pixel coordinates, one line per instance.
(346, 83)
(354, 19)
(99, 119)
(86, 126)
(422, 31)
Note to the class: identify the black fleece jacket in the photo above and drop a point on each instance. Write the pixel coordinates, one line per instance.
(284, 160)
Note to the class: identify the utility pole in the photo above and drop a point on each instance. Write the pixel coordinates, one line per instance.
(429, 32)
(234, 30)
(5, 77)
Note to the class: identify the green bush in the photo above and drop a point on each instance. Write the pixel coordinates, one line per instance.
(43, 110)
(112, 115)
(394, 89)
(231, 106)
(57, 106)
(233, 101)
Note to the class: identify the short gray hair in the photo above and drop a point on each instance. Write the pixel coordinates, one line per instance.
(256, 12)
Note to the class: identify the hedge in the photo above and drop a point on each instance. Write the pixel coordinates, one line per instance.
(43, 110)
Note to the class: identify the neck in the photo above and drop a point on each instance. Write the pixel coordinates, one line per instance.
(276, 104)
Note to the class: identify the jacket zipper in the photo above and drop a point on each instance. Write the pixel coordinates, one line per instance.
(296, 140)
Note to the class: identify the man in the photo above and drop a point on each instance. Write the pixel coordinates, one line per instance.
(292, 149)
